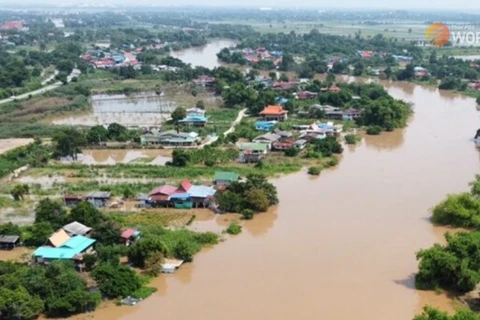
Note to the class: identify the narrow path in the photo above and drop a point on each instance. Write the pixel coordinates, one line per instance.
(75, 73)
(50, 78)
(239, 118)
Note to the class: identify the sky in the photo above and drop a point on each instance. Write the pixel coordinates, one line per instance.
(457, 5)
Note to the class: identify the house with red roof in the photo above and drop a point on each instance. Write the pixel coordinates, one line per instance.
(306, 95)
(284, 85)
(128, 236)
(274, 113)
(332, 88)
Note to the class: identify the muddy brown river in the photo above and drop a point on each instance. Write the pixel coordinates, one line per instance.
(340, 246)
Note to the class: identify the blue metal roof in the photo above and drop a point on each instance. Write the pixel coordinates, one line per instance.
(201, 191)
(67, 250)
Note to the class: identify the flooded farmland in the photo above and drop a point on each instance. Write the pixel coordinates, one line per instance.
(142, 109)
(205, 56)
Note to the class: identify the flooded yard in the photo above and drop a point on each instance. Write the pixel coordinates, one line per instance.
(113, 157)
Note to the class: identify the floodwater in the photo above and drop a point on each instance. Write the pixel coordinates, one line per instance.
(340, 246)
(142, 109)
(205, 56)
(472, 57)
(112, 157)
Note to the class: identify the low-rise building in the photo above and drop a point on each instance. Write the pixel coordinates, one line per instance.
(170, 138)
(72, 249)
(265, 125)
(267, 139)
(300, 144)
(76, 229)
(274, 113)
(283, 145)
(99, 199)
(199, 121)
(9, 241)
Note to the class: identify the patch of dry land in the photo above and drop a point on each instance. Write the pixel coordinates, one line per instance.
(9, 144)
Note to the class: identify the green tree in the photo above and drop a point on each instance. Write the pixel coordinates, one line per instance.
(143, 248)
(430, 313)
(116, 281)
(291, 152)
(38, 234)
(97, 135)
(107, 233)
(200, 104)
(68, 142)
(184, 250)
(328, 146)
(50, 211)
(19, 304)
(256, 199)
(460, 210)
(178, 114)
(180, 158)
(117, 132)
(86, 213)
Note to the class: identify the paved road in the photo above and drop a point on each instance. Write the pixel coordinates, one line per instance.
(75, 73)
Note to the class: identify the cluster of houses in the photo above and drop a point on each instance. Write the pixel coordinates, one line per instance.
(14, 25)
(278, 140)
(256, 55)
(102, 59)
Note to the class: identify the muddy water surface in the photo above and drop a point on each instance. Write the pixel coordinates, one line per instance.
(341, 246)
(205, 56)
(112, 156)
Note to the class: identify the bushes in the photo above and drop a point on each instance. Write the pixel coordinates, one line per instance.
(247, 214)
(451, 267)
(374, 130)
(430, 313)
(462, 210)
(351, 139)
(291, 152)
(58, 285)
(314, 171)
(255, 194)
(116, 281)
(328, 146)
(234, 228)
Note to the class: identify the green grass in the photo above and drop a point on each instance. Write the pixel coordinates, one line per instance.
(152, 218)
(143, 292)
(234, 228)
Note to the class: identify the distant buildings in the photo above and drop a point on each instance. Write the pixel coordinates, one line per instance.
(13, 25)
